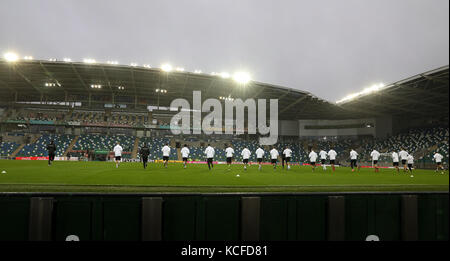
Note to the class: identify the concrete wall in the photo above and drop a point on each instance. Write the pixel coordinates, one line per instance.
(288, 128)
(383, 127)
(404, 122)
(77, 131)
(140, 133)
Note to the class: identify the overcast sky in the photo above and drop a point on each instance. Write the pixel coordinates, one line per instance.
(327, 47)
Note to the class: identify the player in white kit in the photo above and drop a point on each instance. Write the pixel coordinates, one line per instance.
(394, 156)
(375, 156)
(437, 157)
(229, 154)
(245, 157)
(274, 157)
(259, 156)
(404, 157)
(323, 157)
(410, 160)
(185, 154)
(288, 154)
(118, 154)
(332, 154)
(312, 159)
(353, 160)
(209, 151)
(166, 153)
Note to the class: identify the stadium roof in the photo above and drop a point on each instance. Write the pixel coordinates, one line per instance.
(423, 95)
(26, 80)
(41, 80)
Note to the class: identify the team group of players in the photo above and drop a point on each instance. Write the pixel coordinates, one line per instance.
(407, 160)
(229, 151)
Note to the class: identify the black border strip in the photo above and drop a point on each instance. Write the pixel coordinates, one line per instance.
(146, 194)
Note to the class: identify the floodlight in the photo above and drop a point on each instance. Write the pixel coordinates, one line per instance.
(365, 91)
(242, 77)
(166, 67)
(89, 60)
(225, 75)
(349, 97)
(11, 57)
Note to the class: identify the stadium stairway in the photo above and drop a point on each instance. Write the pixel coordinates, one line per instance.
(72, 143)
(423, 152)
(135, 148)
(431, 149)
(67, 115)
(17, 150)
(179, 154)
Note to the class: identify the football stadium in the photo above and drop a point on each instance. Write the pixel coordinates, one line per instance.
(87, 108)
(63, 176)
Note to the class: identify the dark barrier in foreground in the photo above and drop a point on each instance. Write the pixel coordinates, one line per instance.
(229, 216)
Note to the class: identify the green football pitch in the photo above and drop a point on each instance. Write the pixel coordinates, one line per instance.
(36, 176)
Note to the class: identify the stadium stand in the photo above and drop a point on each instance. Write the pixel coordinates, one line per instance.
(103, 119)
(155, 145)
(39, 148)
(103, 142)
(7, 148)
(422, 143)
(37, 115)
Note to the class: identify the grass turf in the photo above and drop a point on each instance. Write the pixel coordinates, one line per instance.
(36, 176)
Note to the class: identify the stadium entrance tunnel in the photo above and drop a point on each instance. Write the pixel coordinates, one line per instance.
(224, 217)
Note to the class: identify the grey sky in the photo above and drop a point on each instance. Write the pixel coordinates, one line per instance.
(315, 45)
